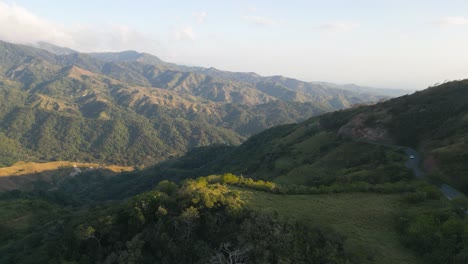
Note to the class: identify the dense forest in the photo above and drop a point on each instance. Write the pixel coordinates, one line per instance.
(199, 221)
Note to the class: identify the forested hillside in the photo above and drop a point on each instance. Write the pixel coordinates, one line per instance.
(434, 121)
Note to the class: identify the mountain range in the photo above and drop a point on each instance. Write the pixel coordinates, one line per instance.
(132, 108)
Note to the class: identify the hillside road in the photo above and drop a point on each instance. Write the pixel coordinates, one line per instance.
(413, 164)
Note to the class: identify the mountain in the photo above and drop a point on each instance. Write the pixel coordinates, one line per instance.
(382, 91)
(132, 108)
(313, 89)
(292, 85)
(127, 56)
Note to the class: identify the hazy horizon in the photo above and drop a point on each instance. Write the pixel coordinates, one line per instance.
(370, 43)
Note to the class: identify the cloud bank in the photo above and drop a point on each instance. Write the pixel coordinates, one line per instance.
(19, 25)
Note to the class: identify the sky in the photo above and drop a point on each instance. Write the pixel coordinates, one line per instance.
(410, 44)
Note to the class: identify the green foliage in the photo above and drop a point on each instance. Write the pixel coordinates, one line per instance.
(429, 192)
(127, 139)
(438, 235)
(199, 221)
(12, 151)
(29, 226)
(422, 193)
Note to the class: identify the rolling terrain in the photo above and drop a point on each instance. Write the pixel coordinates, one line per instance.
(335, 183)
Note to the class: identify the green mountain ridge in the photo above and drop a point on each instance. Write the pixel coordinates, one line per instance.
(244, 77)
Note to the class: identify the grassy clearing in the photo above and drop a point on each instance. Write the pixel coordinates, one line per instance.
(366, 219)
(23, 174)
(24, 168)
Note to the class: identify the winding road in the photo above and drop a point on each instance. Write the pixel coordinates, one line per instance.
(413, 164)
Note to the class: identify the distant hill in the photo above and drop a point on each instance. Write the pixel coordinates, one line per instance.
(127, 56)
(132, 108)
(434, 121)
(381, 91)
(246, 77)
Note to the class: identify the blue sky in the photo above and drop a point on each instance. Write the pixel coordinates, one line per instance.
(396, 44)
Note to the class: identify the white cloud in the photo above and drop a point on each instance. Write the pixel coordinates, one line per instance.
(260, 20)
(452, 21)
(19, 25)
(184, 33)
(252, 9)
(339, 26)
(200, 16)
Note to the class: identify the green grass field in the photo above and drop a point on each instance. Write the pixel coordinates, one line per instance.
(366, 219)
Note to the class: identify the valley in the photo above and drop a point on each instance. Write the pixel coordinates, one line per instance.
(121, 157)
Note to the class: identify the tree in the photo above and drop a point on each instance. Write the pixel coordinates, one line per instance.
(189, 216)
(86, 233)
(226, 255)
